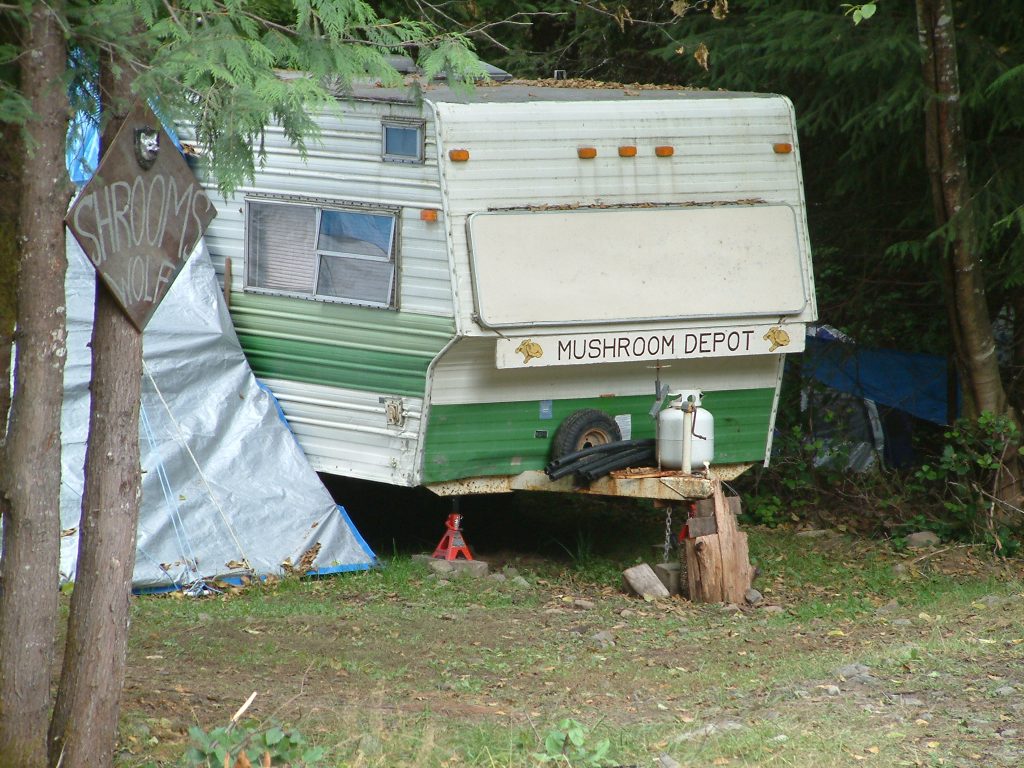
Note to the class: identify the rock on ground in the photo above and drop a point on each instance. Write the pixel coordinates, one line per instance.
(711, 729)
(922, 539)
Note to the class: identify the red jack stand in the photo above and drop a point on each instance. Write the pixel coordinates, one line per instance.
(452, 544)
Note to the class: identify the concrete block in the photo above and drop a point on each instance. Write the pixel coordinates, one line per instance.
(476, 569)
(668, 573)
(641, 580)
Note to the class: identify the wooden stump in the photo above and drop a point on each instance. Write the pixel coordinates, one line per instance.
(718, 566)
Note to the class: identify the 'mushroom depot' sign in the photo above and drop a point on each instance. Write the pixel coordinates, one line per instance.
(141, 215)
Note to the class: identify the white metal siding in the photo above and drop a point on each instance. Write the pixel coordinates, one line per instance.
(345, 432)
(524, 154)
(345, 165)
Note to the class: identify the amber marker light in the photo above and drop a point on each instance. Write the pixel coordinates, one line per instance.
(458, 155)
(782, 148)
(627, 151)
(428, 214)
(586, 153)
(664, 151)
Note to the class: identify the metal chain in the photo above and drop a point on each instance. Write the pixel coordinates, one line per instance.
(668, 534)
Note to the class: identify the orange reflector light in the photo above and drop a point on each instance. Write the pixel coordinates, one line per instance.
(458, 155)
(627, 151)
(428, 214)
(586, 153)
(664, 151)
(782, 148)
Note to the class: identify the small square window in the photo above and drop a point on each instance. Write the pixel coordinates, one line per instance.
(402, 142)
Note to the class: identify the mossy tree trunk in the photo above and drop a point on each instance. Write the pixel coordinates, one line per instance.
(31, 462)
(946, 157)
(83, 732)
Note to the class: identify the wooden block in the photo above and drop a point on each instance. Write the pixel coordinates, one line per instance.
(708, 559)
(701, 526)
(642, 580)
(693, 588)
(726, 538)
(705, 507)
(717, 561)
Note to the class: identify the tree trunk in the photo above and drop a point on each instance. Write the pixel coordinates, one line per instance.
(1016, 389)
(11, 154)
(946, 155)
(31, 466)
(11, 161)
(83, 732)
(947, 165)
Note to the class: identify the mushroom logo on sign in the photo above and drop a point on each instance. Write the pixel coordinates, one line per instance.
(777, 337)
(529, 349)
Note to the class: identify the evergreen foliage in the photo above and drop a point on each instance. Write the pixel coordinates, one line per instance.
(860, 98)
(216, 64)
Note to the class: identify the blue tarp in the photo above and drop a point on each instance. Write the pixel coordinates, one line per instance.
(911, 382)
(226, 490)
(82, 152)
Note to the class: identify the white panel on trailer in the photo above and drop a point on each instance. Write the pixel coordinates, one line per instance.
(345, 432)
(585, 266)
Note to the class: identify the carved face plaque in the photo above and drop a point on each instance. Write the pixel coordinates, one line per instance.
(147, 146)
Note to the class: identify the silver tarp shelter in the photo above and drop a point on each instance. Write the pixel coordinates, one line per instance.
(226, 490)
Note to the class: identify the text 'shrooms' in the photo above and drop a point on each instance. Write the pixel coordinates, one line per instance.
(123, 216)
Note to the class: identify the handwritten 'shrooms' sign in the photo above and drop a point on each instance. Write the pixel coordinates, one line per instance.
(141, 215)
(579, 349)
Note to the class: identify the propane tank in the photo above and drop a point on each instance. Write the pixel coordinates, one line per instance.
(702, 446)
(670, 433)
(686, 433)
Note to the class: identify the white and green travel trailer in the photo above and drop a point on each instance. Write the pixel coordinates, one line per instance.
(450, 276)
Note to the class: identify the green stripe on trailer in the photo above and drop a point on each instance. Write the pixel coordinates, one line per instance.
(508, 438)
(337, 345)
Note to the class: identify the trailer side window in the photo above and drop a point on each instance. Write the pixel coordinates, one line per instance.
(402, 141)
(331, 254)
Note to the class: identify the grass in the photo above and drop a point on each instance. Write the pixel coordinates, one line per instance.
(390, 667)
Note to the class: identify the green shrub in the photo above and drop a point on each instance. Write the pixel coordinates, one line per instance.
(569, 744)
(965, 480)
(209, 749)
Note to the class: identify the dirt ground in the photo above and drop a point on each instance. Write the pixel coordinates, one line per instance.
(855, 654)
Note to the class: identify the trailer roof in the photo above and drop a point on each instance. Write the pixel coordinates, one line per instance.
(517, 90)
(501, 87)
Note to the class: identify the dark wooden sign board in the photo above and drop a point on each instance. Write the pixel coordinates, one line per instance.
(141, 215)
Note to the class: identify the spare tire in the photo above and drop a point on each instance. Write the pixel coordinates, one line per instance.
(584, 429)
